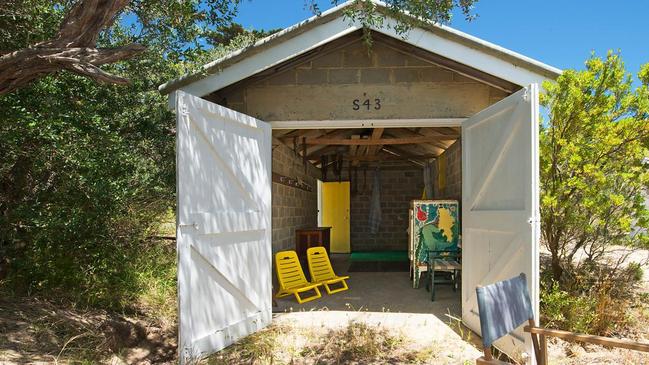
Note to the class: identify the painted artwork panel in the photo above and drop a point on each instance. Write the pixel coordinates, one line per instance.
(436, 226)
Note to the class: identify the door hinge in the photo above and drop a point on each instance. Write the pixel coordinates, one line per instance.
(526, 94)
(194, 225)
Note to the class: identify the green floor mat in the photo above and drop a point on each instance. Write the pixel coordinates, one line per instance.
(378, 266)
(379, 256)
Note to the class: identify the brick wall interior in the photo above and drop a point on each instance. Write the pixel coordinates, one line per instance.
(398, 188)
(293, 208)
(453, 187)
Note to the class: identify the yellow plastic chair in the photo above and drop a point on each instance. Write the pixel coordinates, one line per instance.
(321, 270)
(291, 277)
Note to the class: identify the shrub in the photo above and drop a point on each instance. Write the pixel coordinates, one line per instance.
(86, 171)
(595, 300)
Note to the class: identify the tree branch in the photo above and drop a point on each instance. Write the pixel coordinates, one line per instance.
(73, 48)
(83, 23)
(20, 67)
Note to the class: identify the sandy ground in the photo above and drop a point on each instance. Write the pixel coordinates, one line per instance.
(421, 331)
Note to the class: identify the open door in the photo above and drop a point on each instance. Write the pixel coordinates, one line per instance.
(500, 204)
(223, 225)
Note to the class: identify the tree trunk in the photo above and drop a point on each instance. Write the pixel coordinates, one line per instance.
(557, 269)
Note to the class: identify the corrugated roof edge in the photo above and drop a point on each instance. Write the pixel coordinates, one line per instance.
(294, 30)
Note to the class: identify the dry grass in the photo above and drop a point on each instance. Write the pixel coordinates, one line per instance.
(355, 343)
(38, 331)
(567, 353)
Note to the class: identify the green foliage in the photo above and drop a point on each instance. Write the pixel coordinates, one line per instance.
(407, 13)
(25, 22)
(428, 10)
(561, 309)
(227, 35)
(86, 171)
(597, 300)
(593, 162)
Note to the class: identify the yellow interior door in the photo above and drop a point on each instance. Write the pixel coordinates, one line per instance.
(335, 214)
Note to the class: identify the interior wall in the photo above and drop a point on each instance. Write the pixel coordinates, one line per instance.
(293, 208)
(398, 188)
(452, 188)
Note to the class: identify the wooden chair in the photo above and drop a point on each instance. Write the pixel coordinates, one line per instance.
(505, 305)
(291, 278)
(447, 261)
(322, 272)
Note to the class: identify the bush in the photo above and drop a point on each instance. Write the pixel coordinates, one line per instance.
(86, 173)
(560, 309)
(596, 299)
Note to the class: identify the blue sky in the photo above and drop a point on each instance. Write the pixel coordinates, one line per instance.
(559, 33)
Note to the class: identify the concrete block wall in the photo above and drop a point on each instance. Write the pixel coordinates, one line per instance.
(293, 208)
(453, 187)
(398, 188)
(325, 88)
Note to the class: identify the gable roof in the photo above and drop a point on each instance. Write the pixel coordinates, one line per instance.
(332, 24)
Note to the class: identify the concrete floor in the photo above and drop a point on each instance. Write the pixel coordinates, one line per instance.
(378, 292)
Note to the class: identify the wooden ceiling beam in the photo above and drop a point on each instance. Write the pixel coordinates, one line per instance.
(405, 150)
(299, 133)
(376, 134)
(337, 133)
(356, 150)
(432, 146)
(322, 149)
(388, 157)
(279, 133)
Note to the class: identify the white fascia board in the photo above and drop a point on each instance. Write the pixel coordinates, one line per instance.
(313, 38)
(499, 49)
(367, 123)
(429, 41)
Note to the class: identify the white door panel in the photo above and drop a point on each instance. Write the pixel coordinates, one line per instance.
(500, 204)
(224, 225)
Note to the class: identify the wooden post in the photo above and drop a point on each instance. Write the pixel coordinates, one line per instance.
(544, 349)
(538, 356)
(487, 354)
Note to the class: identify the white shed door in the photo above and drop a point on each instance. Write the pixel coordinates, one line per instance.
(223, 225)
(500, 204)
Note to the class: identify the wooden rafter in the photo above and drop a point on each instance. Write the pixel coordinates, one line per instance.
(405, 150)
(326, 150)
(389, 157)
(353, 147)
(435, 146)
(299, 133)
(376, 134)
(279, 133)
(338, 133)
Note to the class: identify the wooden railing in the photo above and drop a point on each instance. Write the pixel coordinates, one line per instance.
(539, 335)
